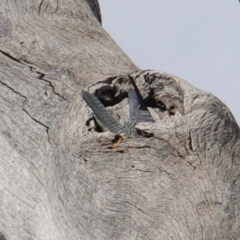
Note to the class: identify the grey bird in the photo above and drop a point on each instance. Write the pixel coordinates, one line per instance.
(137, 110)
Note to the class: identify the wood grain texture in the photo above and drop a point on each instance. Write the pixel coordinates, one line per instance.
(61, 179)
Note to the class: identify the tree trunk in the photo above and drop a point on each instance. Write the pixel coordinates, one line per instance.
(61, 179)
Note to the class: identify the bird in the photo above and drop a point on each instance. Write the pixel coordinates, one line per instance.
(137, 110)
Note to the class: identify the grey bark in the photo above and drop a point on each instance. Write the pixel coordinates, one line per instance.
(61, 179)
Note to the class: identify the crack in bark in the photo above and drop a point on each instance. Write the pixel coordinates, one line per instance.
(9, 56)
(190, 141)
(12, 89)
(41, 77)
(40, 7)
(56, 8)
(139, 209)
(236, 180)
(194, 167)
(35, 120)
(143, 171)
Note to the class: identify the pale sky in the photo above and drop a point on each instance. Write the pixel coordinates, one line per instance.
(197, 40)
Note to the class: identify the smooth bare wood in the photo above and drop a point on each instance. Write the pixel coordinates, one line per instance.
(60, 179)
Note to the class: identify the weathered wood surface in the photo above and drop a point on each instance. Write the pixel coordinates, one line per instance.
(61, 181)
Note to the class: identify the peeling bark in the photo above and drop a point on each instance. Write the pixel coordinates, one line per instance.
(64, 179)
